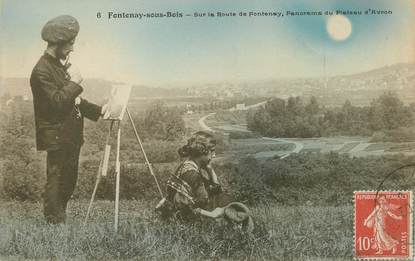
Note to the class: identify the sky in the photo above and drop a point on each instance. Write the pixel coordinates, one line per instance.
(197, 50)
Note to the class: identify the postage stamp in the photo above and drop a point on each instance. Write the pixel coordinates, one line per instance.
(383, 225)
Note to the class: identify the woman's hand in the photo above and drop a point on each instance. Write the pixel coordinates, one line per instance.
(209, 168)
(212, 174)
(197, 211)
(215, 189)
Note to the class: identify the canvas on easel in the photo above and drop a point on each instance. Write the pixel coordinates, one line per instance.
(117, 106)
(118, 101)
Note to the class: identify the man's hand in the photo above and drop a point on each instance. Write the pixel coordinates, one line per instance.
(104, 109)
(78, 100)
(75, 74)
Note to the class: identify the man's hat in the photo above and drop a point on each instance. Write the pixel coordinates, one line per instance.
(60, 29)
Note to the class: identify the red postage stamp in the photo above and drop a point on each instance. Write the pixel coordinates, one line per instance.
(383, 225)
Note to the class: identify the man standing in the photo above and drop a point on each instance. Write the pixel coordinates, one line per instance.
(59, 112)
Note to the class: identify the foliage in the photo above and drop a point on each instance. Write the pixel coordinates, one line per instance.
(21, 170)
(388, 112)
(136, 181)
(23, 180)
(313, 178)
(401, 134)
(235, 135)
(246, 182)
(280, 118)
(163, 123)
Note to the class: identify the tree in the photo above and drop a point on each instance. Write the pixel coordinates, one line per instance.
(312, 107)
(161, 122)
(389, 112)
(275, 107)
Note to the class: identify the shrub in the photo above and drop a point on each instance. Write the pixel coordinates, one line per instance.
(242, 135)
(136, 182)
(402, 134)
(246, 182)
(23, 180)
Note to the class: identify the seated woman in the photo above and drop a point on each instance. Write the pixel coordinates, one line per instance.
(194, 181)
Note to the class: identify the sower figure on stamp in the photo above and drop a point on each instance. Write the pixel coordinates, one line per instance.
(377, 221)
(59, 112)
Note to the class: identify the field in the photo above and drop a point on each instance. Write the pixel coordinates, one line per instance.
(281, 233)
(234, 124)
(308, 213)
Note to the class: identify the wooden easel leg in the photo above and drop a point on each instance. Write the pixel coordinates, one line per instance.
(98, 179)
(117, 178)
(107, 151)
(94, 192)
(150, 168)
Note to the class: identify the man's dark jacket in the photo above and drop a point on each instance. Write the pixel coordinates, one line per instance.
(54, 96)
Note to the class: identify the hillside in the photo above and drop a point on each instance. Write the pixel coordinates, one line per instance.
(359, 88)
(94, 89)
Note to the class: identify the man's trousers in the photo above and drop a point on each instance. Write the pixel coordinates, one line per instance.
(62, 174)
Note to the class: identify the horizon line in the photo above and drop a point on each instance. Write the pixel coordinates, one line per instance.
(2, 78)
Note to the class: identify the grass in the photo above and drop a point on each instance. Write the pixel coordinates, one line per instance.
(281, 233)
(227, 117)
(248, 148)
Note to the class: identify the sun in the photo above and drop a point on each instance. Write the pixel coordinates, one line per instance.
(339, 27)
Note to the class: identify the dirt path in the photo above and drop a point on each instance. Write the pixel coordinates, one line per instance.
(354, 146)
(203, 124)
(298, 146)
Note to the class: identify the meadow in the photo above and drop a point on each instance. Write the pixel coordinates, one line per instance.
(301, 205)
(282, 233)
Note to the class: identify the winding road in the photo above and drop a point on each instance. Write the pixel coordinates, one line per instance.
(298, 146)
(354, 146)
(202, 123)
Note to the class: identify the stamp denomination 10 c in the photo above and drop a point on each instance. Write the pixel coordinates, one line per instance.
(383, 225)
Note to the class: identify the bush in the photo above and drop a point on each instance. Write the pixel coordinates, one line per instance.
(331, 179)
(23, 181)
(293, 118)
(242, 135)
(402, 134)
(246, 182)
(313, 178)
(163, 123)
(23, 170)
(136, 182)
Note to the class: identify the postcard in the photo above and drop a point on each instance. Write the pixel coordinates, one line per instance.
(207, 130)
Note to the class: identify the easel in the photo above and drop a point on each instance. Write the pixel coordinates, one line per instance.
(103, 167)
